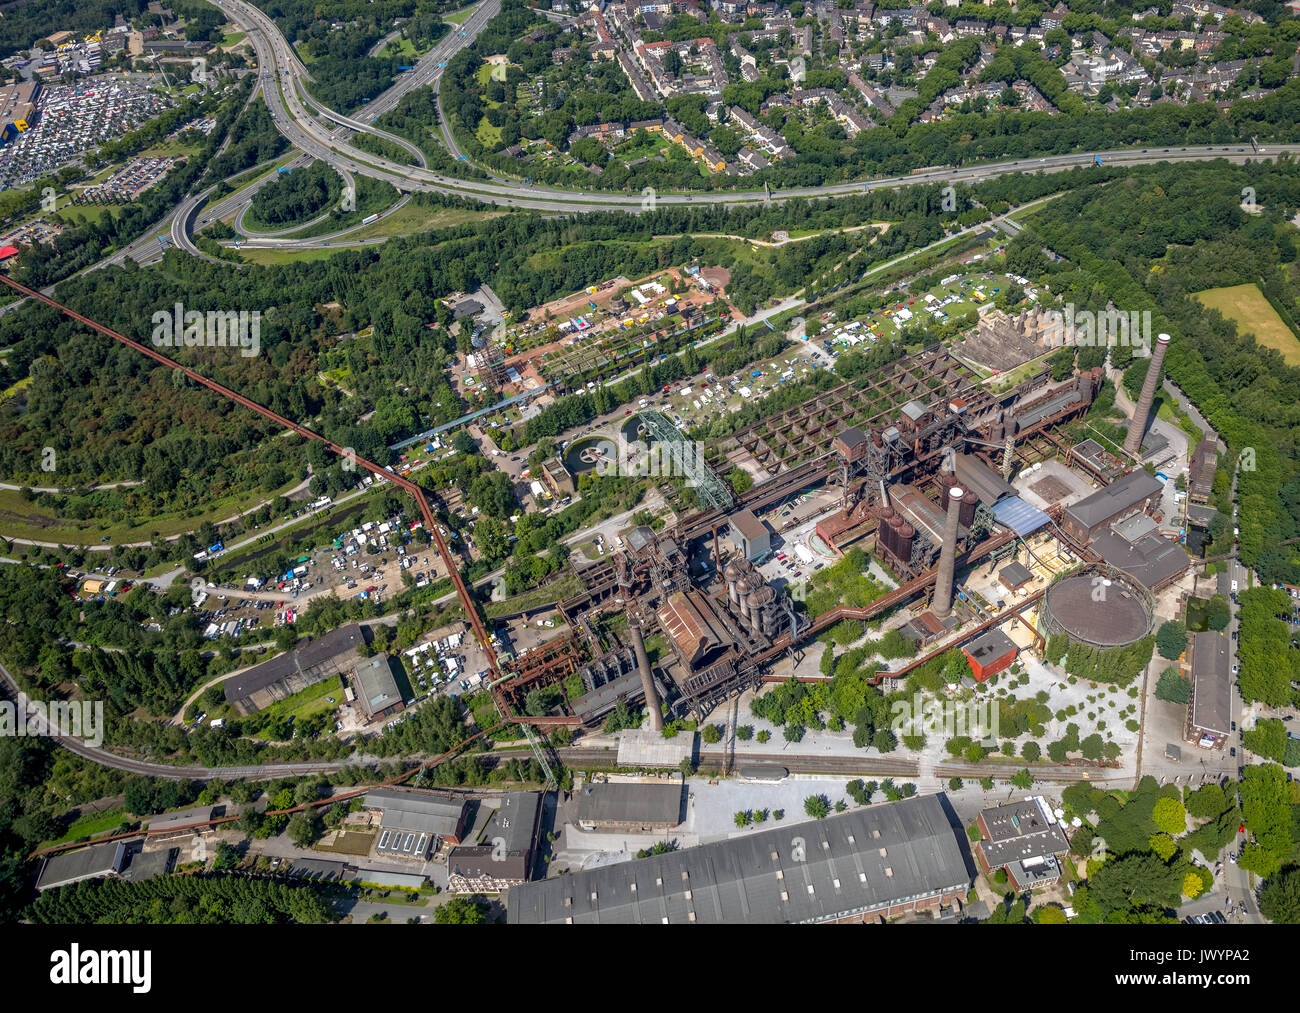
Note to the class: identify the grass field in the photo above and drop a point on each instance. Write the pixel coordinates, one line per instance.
(458, 17)
(349, 842)
(412, 218)
(308, 702)
(1246, 306)
(269, 257)
(22, 519)
(96, 823)
(402, 222)
(398, 47)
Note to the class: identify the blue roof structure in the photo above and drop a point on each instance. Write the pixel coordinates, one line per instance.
(1019, 516)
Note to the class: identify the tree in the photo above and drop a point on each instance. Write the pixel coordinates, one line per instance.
(1218, 613)
(226, 857)
(1173, 687)
(1022, 779)
(1171, 639)
(816, 806)
(1280, 899)
(462, 911)
(710, 734)
(304, 829)
(1170, 816)
(1031, 751)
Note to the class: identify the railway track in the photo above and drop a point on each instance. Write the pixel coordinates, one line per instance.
(809, 763)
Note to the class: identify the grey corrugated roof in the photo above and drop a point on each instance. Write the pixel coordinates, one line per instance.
(1211, 683)
(302, 659)
(766, 877)
(630, 803)
(516, 819)
(1125, 492)
(979, 478)
(416, 812)
(87, 863)
(1015, 573)
(989, 647)
(185, 818)
(376, 685)
(1151, 559)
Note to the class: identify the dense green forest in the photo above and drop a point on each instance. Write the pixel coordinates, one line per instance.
(297, 196)
(25, 23)
(198, 899)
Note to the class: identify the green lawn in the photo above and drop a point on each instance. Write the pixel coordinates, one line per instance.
(1246, 306)
(412, 218)
(94, 823)
(350, 842)
(398, 47)
(83, 213)
(488, 135)
(458, 17)
(269, 257)
(308, 702)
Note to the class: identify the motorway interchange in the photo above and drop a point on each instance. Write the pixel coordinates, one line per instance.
(280, 80)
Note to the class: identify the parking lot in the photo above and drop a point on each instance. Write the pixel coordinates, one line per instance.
(73, 119)
(127, 183)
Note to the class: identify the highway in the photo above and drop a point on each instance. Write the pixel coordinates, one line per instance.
(278, 63)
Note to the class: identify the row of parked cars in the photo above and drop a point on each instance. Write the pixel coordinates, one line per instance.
(1212, 918)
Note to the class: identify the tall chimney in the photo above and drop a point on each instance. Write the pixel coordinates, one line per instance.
(1137, 426)
(647, 680)
(947, 556)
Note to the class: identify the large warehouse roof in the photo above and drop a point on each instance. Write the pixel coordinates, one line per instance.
(301, 660)
(855, 862)
(87, 863)
(1021, 517)
(1152, 560)
(415, 811)
(652, 804)
(1211, 683)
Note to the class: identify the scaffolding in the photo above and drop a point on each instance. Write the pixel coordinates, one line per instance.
(687, 460)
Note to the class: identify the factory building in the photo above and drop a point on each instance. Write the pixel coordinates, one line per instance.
(630, 806)
(989, 654)
(412, 822)
(505, 859)
(883, 861)
(749, 535)
(1200, 472)
(1209, 711)
(1134, 493)
(334, 653)
(18, 109)
(376, 688)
